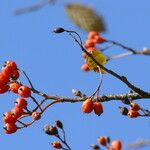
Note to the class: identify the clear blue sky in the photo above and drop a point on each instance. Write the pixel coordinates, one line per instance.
(53, 63)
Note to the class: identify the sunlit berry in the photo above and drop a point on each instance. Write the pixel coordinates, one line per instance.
(17, 112)
(87, 106)
(24, 91)
(11, 64)
(10, 128)
(92, 34)
(9, 118)
(13, 87)
(98, 108)
(15, 74)
(98, 39)
(85, 67)
(89, 43)
(134, 106)
(21, 103)
(4, 79)
(133, 113)
(116, 145)
(3, 88)
(36, 115)
(7, 71)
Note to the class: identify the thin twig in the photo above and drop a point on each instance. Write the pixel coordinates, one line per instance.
(35, 101)
(121, 45)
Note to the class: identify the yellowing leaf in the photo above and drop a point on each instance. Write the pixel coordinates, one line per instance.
(99, 57)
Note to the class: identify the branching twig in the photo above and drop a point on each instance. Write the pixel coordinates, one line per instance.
(121, 78)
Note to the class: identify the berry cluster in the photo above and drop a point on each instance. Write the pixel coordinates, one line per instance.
(9, 81)
(105, 141)
(90, 45)
(133, 111)
(88, 106)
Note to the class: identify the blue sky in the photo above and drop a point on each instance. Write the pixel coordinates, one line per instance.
(53, 63)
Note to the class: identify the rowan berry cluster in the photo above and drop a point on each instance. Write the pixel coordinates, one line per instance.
(9, 82)
(90, 45)
(106, 142)
(134, 111)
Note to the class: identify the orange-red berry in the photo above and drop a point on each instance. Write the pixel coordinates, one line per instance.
(98, 39)
(57, 145)
(134, 106)
(85, 67)
(92, 34)
(3, 88)
(14, 87)
(21, 103)
(87, 106)
(98, 108)
(7, 71)
(10, 128)
(89, 43)
(17, 112)
(116, 145)
(133, 113)
(9, 118)
(24, 91)
(11, 64)
(4, 79)
(102, 140)
(36, 115)
(15, 74)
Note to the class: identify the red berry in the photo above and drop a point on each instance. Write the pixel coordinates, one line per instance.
(98, 108)
(98, 39)
(85, 67)
(7, 71)
(135, 106)
(36, 115)
(15, 74)
(9, 118)
(17, 111)
(116, 145)
(21, 103)
(133, 113)
(92, 34)
(11, 64)
(24, 91)
(3, 88)
(10, 128)
(4, 79)
(57, 145)
(87, 106)
(89, 43)
(14, 87)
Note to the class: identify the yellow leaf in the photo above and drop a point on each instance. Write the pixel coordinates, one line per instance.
(99, 57)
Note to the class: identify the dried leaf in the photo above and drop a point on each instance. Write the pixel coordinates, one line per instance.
(85, 18)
